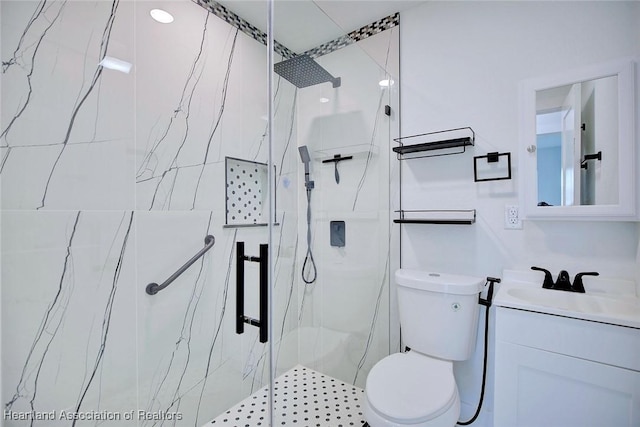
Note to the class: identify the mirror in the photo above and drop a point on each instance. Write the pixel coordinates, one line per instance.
(575, 125)
(577, 137)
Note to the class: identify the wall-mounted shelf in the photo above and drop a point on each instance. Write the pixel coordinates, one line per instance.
(412, 147)
(459, 138)
(455, 217)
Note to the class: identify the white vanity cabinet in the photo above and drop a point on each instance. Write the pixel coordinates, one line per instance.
(555, 371)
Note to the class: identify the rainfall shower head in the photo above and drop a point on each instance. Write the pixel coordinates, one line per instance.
(303, 71)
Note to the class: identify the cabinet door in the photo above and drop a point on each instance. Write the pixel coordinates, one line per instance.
(538, 388)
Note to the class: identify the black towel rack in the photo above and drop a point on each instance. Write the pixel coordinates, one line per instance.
(154, 288)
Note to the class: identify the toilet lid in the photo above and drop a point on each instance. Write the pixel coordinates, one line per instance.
(407, 387)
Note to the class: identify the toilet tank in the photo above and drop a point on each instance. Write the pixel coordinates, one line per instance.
(438, 312)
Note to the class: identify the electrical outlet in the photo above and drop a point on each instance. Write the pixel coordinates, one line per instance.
(512, 218)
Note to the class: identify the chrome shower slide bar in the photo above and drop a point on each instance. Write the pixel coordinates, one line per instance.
(154, 288)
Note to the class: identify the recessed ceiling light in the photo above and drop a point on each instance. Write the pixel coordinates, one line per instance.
(386, 83)
(324, 100)
(161, 16)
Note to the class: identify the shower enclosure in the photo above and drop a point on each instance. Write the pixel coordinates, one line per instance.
(126, 142)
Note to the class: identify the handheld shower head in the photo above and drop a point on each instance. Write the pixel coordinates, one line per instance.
(304, 154)
(306, 159)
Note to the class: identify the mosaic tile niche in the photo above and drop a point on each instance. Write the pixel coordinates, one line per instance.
(246, 192)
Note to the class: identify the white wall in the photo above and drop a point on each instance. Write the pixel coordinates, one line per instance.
(460, 66)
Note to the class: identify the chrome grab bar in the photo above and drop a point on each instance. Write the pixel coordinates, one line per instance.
(154, 288)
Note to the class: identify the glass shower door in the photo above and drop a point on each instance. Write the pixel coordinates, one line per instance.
(202, 169)
(331, 308)
(125, 142)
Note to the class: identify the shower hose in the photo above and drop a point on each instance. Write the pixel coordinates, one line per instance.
(310, 275)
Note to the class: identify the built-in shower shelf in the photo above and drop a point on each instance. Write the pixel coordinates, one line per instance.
(260, 224)
(459, 138)
(455, 217)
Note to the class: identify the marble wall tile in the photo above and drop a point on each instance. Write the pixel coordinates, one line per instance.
(59, 148)
(206, 101)
(68, 295)
(179, 329)
(154, 141)
(190, 359)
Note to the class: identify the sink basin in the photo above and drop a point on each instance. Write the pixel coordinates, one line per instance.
(615, 309)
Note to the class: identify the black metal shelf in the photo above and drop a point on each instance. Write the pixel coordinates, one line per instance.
(426, 142)
(436, 145)
(453, 217)
(424, 221)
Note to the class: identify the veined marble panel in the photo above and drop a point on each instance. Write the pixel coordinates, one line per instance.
(180, 329)
(204, 101)
(68, 303)
(191, 361)
(67, 124)
(71, 139)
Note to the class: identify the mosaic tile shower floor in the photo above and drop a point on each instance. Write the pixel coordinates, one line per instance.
(303, 397)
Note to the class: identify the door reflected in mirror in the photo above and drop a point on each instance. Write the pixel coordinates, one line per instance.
(577, 143)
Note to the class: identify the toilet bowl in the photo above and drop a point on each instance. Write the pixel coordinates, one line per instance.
(411, 390)
(439, 317)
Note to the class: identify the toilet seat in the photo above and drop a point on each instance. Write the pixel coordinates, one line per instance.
(410, 388)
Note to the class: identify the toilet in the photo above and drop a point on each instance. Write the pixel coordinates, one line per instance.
(439, 319)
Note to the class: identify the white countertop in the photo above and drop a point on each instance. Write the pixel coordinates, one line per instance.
(612, 301)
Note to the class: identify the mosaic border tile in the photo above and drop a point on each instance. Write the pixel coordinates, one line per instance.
(232, 19)
(353, 37)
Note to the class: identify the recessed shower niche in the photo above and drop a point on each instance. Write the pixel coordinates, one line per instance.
(246, 192)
